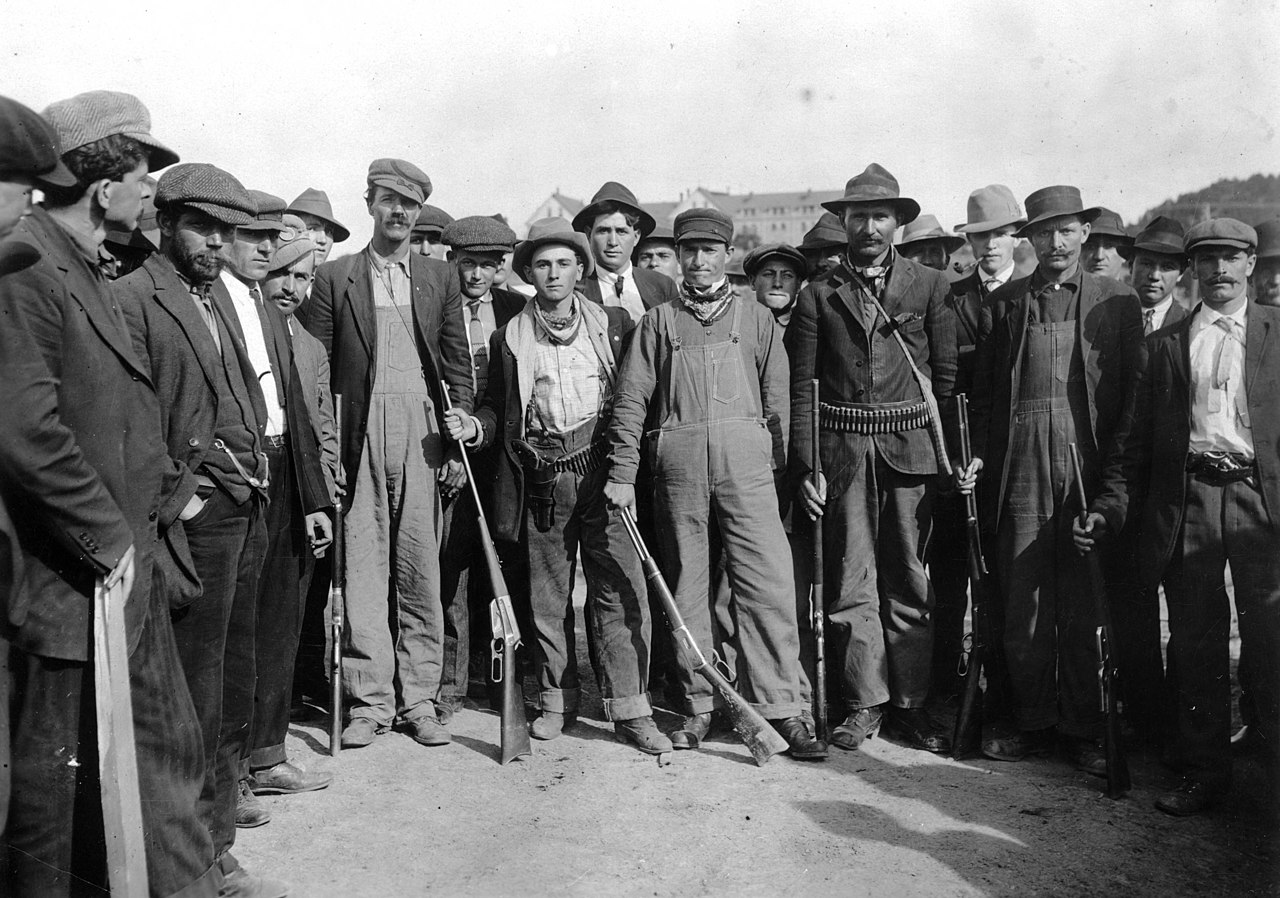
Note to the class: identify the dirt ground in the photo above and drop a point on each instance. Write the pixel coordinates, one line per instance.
(587, 816)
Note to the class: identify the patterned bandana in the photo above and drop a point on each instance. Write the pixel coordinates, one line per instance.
(706, 307)
(560, 330)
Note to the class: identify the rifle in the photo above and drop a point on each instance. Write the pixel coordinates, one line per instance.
(506, 632)
(337, 603)
(760, 738)
(1118, 781)
(968, 731)
(817, 602)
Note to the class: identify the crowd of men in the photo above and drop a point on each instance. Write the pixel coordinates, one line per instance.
(190, 394)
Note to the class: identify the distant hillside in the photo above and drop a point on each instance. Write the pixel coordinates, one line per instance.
(1254, 200)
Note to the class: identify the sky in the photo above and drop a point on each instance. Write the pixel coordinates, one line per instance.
(502, 103)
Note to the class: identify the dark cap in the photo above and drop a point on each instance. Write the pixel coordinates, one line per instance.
(1108, 224)
(704, 224)
(29, 146)
(826, 233)
(1221, 232)
(611, 194)
(1055, 202)
(1268, 239)
(1161, 235)
(316, 202)
(207, 188)
(755, 259)
(96, 114)
(479, 233)
(875, 185)
(404, 178)
(270, 214)
(431, 220)
(546, 231)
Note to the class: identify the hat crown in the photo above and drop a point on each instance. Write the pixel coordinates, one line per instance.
(875, 182)
(615, 191)
(991, 207)
(28, 143)
(1163, 235)
(268, 204)
(478, 232)
(755, 259)
(1108, 222)
(1268, 237)
(433, 218)
(401, 176)
(923, 228)
(1221, 232)
(826, 231)
(313, 201)
(706, 223)
(208, 188)
(96, 114)
(1060, 199)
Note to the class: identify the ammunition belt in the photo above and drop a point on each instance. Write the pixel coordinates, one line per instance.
(873, 419)
(583, 461)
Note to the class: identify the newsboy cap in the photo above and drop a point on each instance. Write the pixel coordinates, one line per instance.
(403, 177)
(1161, 235)
(29, 146)
(316, 202)
(755, 259)
(270, 212)
(546, 231)
(875, 185)
(611, 193)
(927, 227)
(1054, 202)
(431, 220)
(991, 207)
(208, 188)
(703, 224)
(479, 234)
(1221, 232)
(96, 114)
(289, 251)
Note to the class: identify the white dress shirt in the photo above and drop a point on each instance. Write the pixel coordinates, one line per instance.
(1219, 403)
(1157, 314)
(999, 279)
(255, 344)
(630, 298)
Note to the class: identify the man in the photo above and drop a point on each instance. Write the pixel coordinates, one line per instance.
(923, 241)
(823, 245)
(316, 212)
(1266, 276)
(84, 474)
(1157, 260)
(739, 283)
(614, 223)
(880, 457)
(656, 251)
(548, 400)
(427, 231)
(213, 414)
(1201, 444)
(709, 371)
(477, 245)
(1102, 252)
(991, 225)
(129, 249)
(296, 519)
(392, 324)
(776, 271)
(1056, 354)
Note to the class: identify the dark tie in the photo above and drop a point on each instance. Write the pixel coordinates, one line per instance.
(1148, 321)
(617, 286)
(475, 327)
(268, 337)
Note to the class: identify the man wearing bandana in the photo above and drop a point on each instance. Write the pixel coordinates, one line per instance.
(709, 371)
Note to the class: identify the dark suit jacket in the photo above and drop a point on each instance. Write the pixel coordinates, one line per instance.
(655, 288)
(1109, 329)
(82, 460)
(965, 304)
(1147, 473)
(341, 315)
(501, 412)
(313, 371)
(831, 342)
(506, 305)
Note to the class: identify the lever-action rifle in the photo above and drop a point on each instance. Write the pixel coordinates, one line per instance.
(817, 601)
(967, 737)
(337, 603)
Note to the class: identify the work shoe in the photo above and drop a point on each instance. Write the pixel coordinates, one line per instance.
(857, 728)
(692, 731)
(449, 705)
(1192, 796)
(914, 728)
(643, 733)
(240, 883)
(286, 778)
(803, 745)
(550, 724)
(1088, 755)
(360, 732)
(427, 730)
(250, 812)
(1022, 744)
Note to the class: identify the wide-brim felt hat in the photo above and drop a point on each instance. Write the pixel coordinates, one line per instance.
(613, 192)
(546, 231)
(927, 227)
(755, 259)
(1055, 202)
(1109, 224)
(1161, 235)
(991, 207)
(316, 202)
(826, 232)
(1268, 239)
(875, 185)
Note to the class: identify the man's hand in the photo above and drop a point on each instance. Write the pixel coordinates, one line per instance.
(1085, 537)
(194, 506)
(319, 532)
(620, 495)
(461, 426)
(453, 476)
(122, 574)
(966, 478)
(814, 496)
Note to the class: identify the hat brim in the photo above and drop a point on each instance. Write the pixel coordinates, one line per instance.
(981, 227)
(587, 215)
(1085, 215)
(1162, 249)
(399, 188)
(908, 209)
(224, 214)
(16, 255)
(160, 156)
(1113, 233)
(483, 248)
(524, 251)
(796, 259)
(701, 234)
(257, 224)
(1219, 241)
(950, 242)
(58, 176)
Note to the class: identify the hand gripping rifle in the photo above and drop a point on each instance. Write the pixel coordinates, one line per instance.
(506, 632)
(968, 732)
(817, 602)
(337, 603)
(760, 738)
(1118, 781)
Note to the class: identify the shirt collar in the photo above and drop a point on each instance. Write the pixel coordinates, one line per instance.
(1001, 277)
(1039, 281)
(712, 289)
(1210, 316)
(380, 263)
(488, 297)
(608, 277)
(236, 287)
(1161, 307)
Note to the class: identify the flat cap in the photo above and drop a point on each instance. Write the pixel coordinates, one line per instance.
(755, 259)
(704, 224)
(207, 188)
(431, 219)
(270, 212)
(403, 177)
(1221, 232)
(480, 234)
(289, 251)
(96, 114)
(316, 202)
(29, 146)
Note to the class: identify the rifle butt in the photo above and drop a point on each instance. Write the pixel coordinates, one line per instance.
(967, 737)
(336, 600)
(761, 739)
(515, 730)
(820, 723)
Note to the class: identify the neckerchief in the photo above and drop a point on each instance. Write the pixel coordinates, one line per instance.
(559, 330)
(706, 307)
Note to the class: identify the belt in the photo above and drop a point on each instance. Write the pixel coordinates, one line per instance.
(580, 461)
(873, 419)
(274, 441)
(1217, 468)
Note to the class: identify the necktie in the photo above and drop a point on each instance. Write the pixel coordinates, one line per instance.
(990, 284)
(1148, 321)
(268, 337)
(1224, 358)
(617, 286)
(475, 328)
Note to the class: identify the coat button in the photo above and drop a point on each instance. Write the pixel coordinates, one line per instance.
(857, 364)
(193, 442)
(152, 516)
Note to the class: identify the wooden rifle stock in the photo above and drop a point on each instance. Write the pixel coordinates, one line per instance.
(506, 632)
(760, 738)
(337, 603)
(817, 601)
(967, 737)
(1118, 780)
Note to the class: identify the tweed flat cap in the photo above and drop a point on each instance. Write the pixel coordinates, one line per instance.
(611, 194)
(546, 231)
(289, 251)
(704, 224)
(431, 220)
(991, 207)
(927, 227)
(1055, 202)
(757, 257)
(1108, 224)
(875, 185)
(403, 177)
(96, 114)
(270, 212)
(1161, 235)
(1268, 239)
(479, 233)
(316, 202)
(1221, 232)
(827, 232)
(29, 146)
(207, 188)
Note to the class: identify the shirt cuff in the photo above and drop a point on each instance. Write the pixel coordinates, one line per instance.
(479, 437)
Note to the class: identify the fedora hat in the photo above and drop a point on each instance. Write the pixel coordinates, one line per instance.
(926, 227)
(612, 193)
(875, 185)
(1161, 235)
(1054, 202)
(316, 202)
(545, 231)
(1268, 239)
(827, 232)
(1108, 224)
(991, 207)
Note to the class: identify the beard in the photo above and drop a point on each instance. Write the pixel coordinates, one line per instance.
(197, 266)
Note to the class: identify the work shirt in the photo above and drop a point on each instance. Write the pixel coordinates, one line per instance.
(630, 298)
(1219, 404)
(255, 345)
(1054, 303)
(568, 383)
(389, 278)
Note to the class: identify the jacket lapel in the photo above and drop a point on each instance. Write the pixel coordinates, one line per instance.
(223, 307)
(849, 294)
(360, 299)
(172, 296)
(591, 289)
(901, 277)
(1257, 338)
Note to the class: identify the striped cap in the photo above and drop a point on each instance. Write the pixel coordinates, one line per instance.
(96, 114)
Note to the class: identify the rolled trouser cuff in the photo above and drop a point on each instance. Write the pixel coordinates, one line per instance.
(560, 701)
(628, 707)
(262, 758)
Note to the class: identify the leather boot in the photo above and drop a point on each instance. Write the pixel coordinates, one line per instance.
(643, 733)
(692, 731)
